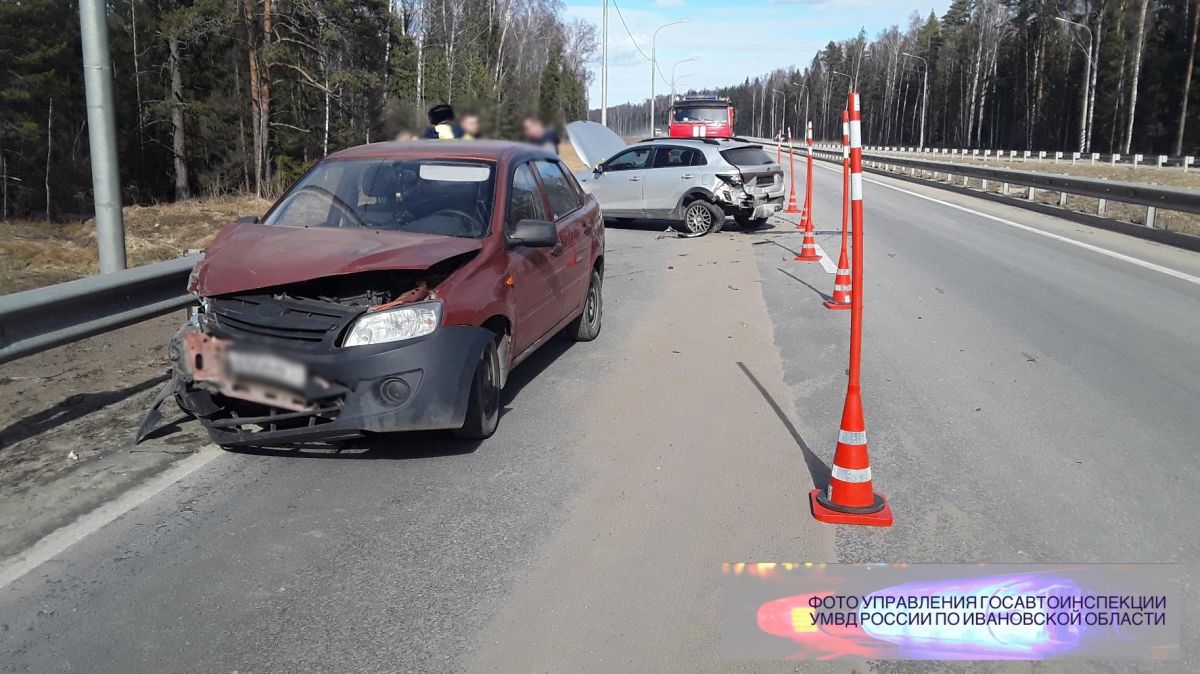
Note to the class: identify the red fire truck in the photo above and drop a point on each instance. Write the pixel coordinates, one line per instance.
(700, 117)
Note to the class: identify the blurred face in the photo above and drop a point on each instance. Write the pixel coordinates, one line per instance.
(534, 129)
(470, 124)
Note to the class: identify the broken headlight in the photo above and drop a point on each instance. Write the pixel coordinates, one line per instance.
(395, 325)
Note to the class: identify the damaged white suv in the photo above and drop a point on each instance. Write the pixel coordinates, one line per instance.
(694, 182)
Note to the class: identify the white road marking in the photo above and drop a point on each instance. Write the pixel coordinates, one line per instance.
(1049, 235)
(64, 537)
(828, 265)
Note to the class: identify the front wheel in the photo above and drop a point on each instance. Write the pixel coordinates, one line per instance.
(586, 327)
(483, 403)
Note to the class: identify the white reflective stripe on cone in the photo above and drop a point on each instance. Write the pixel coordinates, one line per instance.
(852, 437)
(856, 187)
(856, 476)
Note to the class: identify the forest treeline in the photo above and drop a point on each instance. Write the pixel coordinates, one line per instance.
(1003, 74)
(218, 96)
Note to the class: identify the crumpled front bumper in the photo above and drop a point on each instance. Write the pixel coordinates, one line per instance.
(419, 384)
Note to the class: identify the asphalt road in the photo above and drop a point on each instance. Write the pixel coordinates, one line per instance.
(1027, 400)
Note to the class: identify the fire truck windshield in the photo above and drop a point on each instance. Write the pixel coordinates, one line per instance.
(704, 114)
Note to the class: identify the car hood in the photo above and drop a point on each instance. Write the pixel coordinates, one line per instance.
(247, 257)
(594, 142)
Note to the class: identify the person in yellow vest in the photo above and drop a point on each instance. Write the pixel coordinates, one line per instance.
(442, 126)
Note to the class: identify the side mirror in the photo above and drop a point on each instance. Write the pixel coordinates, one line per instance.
(533, 233)
(599, 168)
(247, 220)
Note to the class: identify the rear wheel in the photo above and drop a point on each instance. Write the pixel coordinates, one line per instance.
(701, 217)
(483, 402)
(586, 327)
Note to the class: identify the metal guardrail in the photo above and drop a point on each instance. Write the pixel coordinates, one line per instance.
(43, 318)
(1153, 197)
(1150, 161)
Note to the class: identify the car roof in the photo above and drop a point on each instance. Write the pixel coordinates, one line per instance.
(701, 143)
(485, 150)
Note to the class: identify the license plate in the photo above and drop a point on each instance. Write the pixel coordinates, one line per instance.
(766, 180)
(267, 368)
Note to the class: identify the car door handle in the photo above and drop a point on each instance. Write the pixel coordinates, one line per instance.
(557, 250)
(634, 179)
(686, 176)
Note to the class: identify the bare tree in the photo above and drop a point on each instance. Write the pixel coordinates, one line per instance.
(1139, 45)
(1187, 82)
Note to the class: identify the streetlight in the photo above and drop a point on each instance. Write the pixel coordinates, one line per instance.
(849, 84)
(654, 66)
(784, 124)
(924, 95)
(691, 58)
(604, 65)
(1087, 74)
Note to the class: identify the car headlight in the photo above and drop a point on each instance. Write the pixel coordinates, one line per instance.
(395, 325)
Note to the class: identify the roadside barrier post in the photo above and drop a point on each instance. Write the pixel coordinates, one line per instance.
(841, 282)
(850, 497)
(808, 248)
(791, 205)
(1187, 162)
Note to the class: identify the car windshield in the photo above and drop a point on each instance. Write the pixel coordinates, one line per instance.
(751, 155)
(705, 114)
(428, 196)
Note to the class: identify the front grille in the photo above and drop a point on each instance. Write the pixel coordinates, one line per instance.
(266, 318)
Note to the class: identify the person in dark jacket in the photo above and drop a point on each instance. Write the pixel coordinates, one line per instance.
(442, 125)
(538, 133)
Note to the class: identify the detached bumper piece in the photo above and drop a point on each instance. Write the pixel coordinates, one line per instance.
(272, 394)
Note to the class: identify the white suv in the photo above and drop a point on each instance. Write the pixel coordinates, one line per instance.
(694, 182)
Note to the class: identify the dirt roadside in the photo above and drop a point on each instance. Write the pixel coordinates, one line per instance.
(66, 432)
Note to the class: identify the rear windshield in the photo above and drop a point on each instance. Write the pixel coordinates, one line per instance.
(747, 156)
(428, 196)
(703, 114)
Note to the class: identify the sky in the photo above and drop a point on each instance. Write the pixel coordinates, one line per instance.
(734, 39)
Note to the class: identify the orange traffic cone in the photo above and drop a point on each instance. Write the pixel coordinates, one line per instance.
(808, 249)
(841, 285)
(850, 497)
(841, 282)
(792, 207)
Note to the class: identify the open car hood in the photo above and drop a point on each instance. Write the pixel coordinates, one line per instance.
(594, 142)
(247, 257)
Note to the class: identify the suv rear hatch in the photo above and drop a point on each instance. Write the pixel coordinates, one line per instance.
(760, 173)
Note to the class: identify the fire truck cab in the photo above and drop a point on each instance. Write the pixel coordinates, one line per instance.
(700, 117)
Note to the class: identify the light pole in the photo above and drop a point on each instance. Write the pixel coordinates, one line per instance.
(604, 65)
(924, 95)
(784, 122)
(849, 82)
(102, 135)
(1087, 75)
(654, 66)
(686, 60)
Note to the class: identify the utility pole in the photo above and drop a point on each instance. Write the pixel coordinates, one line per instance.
(1087, 78)
(102, 135)
(654, 66)
(604, 65)
(924, 95)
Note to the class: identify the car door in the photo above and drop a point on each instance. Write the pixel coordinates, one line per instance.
(574, 232)
(618, 187)
(536, 283)
(673, 170)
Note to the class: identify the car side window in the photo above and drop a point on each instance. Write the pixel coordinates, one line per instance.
(524, 198)
(678, 157)
(629, 160)
(563, 199)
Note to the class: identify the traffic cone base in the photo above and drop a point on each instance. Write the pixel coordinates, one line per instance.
(878, 514)
(830, 304)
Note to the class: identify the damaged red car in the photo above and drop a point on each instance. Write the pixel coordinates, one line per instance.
(392, 288)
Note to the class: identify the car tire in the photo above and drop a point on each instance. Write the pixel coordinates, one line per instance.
(700, 217)
(483, 401)
(586, 326)
(747, 223)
